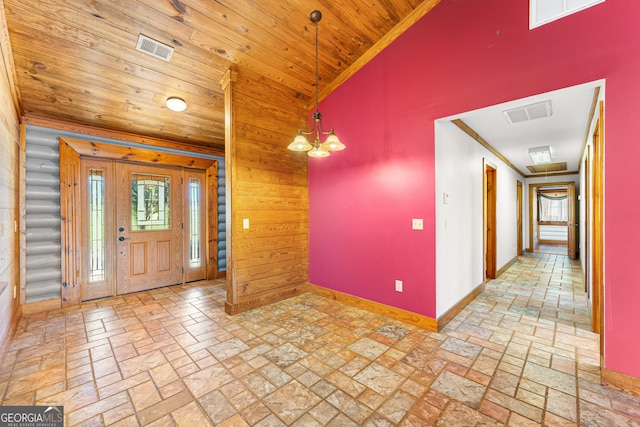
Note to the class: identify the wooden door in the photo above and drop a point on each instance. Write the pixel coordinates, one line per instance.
(519, 220)
(148, 225)
(572, 224)
(490, 222)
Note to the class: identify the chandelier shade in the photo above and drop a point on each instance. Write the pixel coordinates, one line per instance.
(301, 143)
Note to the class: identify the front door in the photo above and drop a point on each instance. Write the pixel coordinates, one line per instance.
(149, 240)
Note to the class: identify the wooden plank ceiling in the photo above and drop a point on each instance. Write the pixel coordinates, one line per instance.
(76, 60)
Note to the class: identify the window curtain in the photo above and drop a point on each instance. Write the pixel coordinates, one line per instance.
(552, 208)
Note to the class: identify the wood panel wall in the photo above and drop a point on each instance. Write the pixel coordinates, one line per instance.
(9, 185)
(266, 185)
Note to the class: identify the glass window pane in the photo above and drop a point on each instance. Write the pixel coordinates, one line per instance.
(150, 202)
(545, 11)
(96, 226)
(195, 258)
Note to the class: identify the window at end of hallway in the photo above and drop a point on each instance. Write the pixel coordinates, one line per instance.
(544, 11)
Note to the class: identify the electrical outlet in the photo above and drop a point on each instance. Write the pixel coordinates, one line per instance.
(417, 224)
(398, 285)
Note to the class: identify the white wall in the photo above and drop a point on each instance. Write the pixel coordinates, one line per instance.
(459, 171)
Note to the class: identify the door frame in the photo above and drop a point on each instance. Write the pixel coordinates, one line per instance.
(70, 198)
(572, 222)
(519, 208)
(490, 178)
(588, 195)
(597, 219)
(532, 204)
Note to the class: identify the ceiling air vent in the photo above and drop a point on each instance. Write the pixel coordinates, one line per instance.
(548, 167)
(154, 48)
(529, 112)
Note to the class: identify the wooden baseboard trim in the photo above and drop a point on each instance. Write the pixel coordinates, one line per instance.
(453, 311)
(415, 319)
(4, 343)
(620, 381)
(265, 299)
(506, 266)
(37, 307)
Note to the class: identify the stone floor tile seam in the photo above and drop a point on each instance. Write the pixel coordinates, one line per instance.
(537, 331)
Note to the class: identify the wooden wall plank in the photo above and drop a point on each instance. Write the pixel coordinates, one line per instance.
(269, 260)
(69, 224)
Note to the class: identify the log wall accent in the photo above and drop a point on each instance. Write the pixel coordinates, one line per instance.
(266, 185)
(9, 185)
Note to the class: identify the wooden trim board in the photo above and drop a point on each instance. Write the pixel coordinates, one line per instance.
(421, 10)
(4, 343)
(122, 136)
(40, 306)
(621, 381)
(506, 266)
(415, 319)
(262, 300)
(456, 309)
(473, 134)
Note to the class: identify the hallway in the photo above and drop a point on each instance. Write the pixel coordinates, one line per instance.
(520, 354)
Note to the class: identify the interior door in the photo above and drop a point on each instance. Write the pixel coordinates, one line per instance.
(519, 219)
(490, 222)
(149, 251)
(571, 222)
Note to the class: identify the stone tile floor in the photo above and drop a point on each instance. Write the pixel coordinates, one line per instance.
(520, 354)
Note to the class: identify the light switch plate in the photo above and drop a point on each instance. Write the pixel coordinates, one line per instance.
(245, 223)
(417, 224)
(398, 285)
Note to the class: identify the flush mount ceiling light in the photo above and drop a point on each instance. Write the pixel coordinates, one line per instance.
(300, 142)
(540, 155)
(176, 104)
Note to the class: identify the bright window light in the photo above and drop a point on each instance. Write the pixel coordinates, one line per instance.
(544, 11)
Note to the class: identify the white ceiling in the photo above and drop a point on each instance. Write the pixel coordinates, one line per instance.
(564, 131)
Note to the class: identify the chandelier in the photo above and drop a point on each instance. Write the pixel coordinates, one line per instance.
(300, 142)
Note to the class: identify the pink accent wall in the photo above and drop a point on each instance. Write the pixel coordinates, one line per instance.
(461, 56)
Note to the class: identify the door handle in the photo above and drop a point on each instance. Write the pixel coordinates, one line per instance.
(122, 239)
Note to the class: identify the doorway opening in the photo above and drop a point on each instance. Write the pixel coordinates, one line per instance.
(133, 224)
(552, 219)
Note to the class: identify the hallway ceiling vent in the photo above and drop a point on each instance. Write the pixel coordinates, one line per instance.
(529, 112)
(154, 48)
(548, 167)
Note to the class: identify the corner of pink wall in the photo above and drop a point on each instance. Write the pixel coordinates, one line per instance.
(463, 56)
